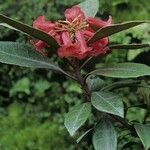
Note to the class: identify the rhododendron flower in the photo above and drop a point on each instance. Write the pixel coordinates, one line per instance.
(73, 34)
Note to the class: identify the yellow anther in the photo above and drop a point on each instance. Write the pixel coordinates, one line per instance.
(71, 27)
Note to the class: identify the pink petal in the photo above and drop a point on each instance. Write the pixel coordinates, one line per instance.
(66, 38)
(80, 38)
(43, 25)
(70, 50)
(99, 23)
(73, 13)
(40, 45)
(99, 47)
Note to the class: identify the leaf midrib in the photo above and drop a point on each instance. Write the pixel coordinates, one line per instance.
(77, 116)
(108, 102)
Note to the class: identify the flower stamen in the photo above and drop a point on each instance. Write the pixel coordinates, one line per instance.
(71, 27)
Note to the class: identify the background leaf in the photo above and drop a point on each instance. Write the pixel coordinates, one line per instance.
(113, 29)
(123, 70)
(143, 132)
(12, 24)
(22, 85)
(104, 137)
(108, 102)
(90, 7)
(76, 117)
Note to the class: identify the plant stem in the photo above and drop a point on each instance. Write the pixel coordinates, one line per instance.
(85, 62)
(75, 65)
(81, 81)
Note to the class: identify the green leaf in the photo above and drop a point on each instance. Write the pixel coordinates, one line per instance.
(129, 46)
(143, 132)
(24, 55)
(121, 84)
(113, 29)
(123, 70)
(95, 83)
(90, 7)
(104, 137)
(76, 117)
(8, 26)
(83, 135)
(108, 102)
(12, 24)
(130, 145)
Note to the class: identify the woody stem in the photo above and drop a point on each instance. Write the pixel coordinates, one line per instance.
(81, 81)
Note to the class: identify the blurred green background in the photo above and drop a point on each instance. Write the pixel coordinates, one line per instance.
(33, 102)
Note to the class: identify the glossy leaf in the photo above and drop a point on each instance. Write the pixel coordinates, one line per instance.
(104, 137)
(90, 7)
(108, 102)
(12, 24)
(129, 46)
(24, 55)
(76, 117)
(113, 29)
(123, 70)
(143, 132)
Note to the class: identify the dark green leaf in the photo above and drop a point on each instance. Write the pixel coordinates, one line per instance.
(76, 117)
(8, 26)
(123, 70)
(12, 24)
(95, 83)
(24, 55)
(143, 132)
(121, 84)
(104, 137)
(90, 7)
(83, 135)
(113, 29)
(108, 102)
(129, 46)
(129, 145)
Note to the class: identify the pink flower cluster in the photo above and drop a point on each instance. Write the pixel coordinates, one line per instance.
(73, 34)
